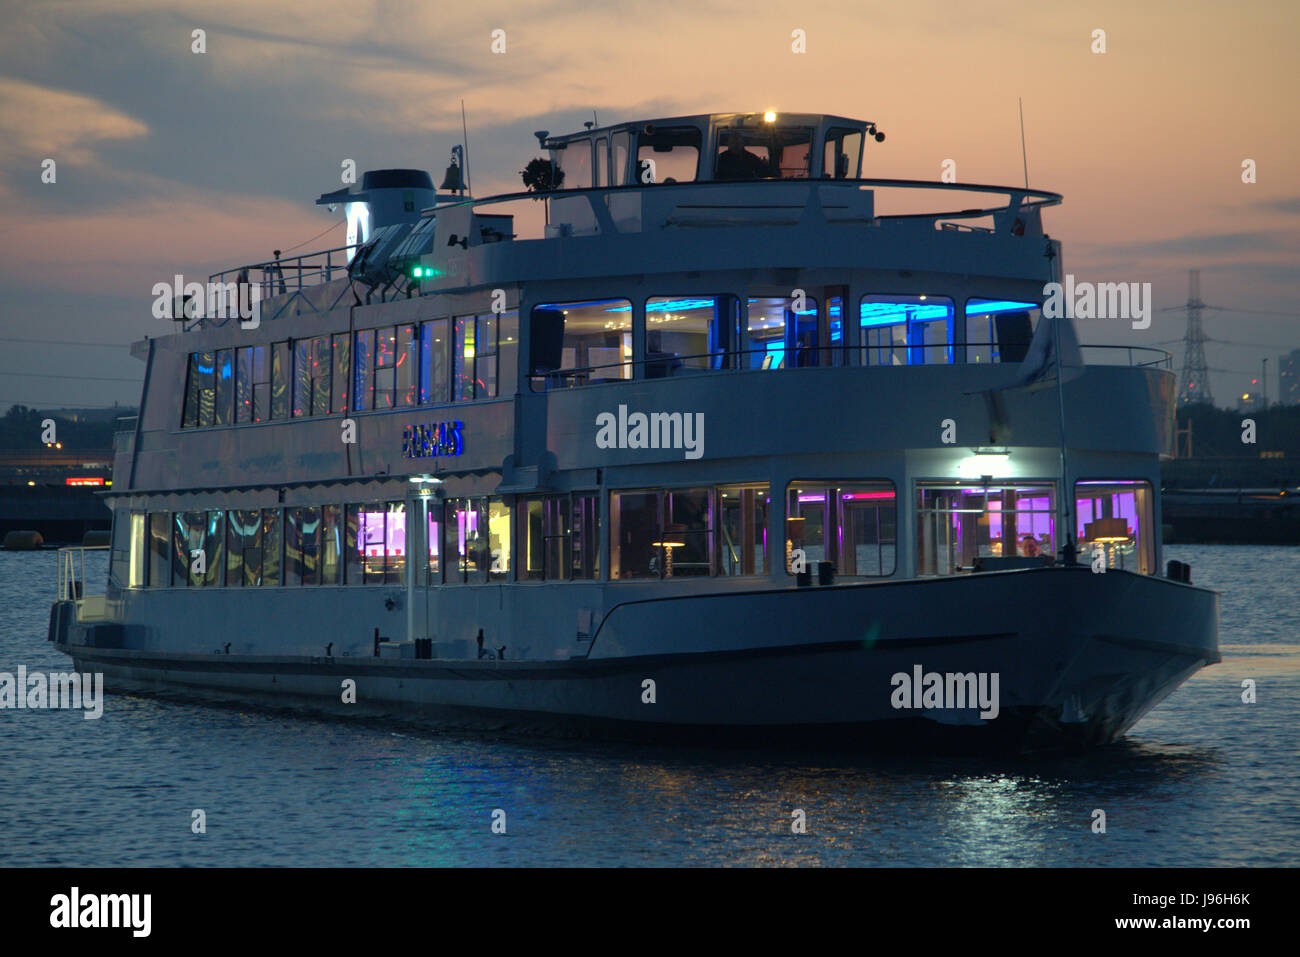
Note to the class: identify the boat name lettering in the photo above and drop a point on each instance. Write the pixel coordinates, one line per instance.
(433, 439)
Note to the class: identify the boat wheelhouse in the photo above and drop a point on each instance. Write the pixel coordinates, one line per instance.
(704, 433)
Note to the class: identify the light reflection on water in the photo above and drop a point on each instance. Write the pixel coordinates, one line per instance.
(1202, 780)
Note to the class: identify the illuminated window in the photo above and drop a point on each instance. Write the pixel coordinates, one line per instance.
(661, 534)
(244, 384)
(742, 525)
(433, 362)
(906, 330)
(782, 333)
(852, 525)
(581, 343)
(281, 366)
(498, 523)
(385, 361)
(999, 330)
(466, 545)
(159, 549)
(223, 411)
(407, 370)
(960, 524)
(685, 333)
(363, 380)
(342, 378)
(765, 152)
(1116, 517)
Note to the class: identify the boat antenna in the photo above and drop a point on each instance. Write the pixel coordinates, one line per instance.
(464, 129)
(1023, 155)
(595, 117)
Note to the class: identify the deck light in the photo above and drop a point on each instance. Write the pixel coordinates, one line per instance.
(984, 462)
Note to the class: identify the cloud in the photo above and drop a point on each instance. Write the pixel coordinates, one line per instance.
(39, 121)
(1288, 204)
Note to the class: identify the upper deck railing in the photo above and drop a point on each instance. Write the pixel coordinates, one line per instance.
(668, 366)
(609, 210)
(282, 276)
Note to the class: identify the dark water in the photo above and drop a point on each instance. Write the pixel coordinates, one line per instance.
(1203, 780)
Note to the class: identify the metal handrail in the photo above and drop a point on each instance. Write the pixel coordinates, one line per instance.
(569, 378)
(282, 276)
(69, 581)
(1042, 198)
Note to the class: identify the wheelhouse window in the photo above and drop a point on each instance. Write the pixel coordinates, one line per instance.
(999, 330)
(763, 152)
(963, 526)
(581, 343)
(621, 144)
(852, 525)
(782, 333)
(668, 154)
(1115, 517)
(601, 162)
(688, 334)
(906, 330)
(573, 163)
(842, 153)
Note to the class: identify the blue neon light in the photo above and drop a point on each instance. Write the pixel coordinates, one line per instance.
(892, 313)
(983, 307)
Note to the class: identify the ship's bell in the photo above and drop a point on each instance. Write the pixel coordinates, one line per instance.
(452, 182)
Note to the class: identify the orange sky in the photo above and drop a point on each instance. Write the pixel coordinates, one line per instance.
(171, 161)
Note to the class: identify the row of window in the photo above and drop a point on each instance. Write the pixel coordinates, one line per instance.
(580, 343)
(671, 154)
(653, 533)
(435, 362)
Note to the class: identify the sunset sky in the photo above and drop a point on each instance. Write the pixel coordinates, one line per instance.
(170, 161)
